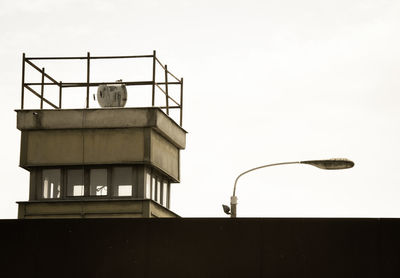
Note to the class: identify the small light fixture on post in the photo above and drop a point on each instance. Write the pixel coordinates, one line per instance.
(326, 164)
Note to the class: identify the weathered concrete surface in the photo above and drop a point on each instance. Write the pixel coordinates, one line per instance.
(81, 147)
(167, 128)
(164, 155)
(158, 211)
(102, 118)
(107, 146)
(98, 147)
(89, 208)
(54, 147)
(100, 136)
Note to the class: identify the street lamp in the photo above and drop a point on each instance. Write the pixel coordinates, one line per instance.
(326, 164)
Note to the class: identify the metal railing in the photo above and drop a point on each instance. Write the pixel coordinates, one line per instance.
(88, 84)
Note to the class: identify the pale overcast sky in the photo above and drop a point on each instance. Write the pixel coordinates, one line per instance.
(265, 82)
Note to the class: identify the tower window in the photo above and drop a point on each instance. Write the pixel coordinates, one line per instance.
(169, 195)
(164, 194)
(122, 181)
(158, 191)
(103, 181)
(148, 186)
(75, 182)
(98, 182)
(153, 188)
(51, 183)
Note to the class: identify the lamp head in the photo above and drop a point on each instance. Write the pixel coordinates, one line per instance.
(330, 164)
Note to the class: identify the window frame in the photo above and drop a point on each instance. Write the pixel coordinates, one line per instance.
(85, 181)
(134, 180)
(138, 180)
(39, 181)
(108, 183)
(157, 178)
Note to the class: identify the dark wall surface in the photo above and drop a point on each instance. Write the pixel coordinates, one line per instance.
(201, 247)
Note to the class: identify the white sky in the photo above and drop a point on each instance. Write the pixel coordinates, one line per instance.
(265, 81)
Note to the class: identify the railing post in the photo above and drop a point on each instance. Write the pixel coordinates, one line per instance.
(154, 79)
(42, 90)
(166, 89)
(60, 95)
(181, 110)
(88, 80)
(23, 81)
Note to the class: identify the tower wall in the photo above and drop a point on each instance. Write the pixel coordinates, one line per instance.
(100, 136)
(132, 153)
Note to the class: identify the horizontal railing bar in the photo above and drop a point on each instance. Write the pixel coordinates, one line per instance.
(39, 96)
(120, 57)
(169, 83)
(40, 70)
(84, 84)
(166, 94)
(85, 57)
(38, 83)
(110, 83)
(56, 58)
(170, 107)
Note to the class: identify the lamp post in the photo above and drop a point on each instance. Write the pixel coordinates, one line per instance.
(326, 164)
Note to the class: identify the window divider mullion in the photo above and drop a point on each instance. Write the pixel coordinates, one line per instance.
(63, 183)
(133, 181)
(86, 181)
(109, 183)
(40, 181)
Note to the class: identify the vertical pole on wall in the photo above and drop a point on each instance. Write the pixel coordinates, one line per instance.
(154, 78)
(166, 89)
(42, 90)
(23, 81)
(88, 80)
(233, 206)
(60, 95)
(181, 110)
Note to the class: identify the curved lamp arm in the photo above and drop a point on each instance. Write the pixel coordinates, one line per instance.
(326, 164)
(259, 167)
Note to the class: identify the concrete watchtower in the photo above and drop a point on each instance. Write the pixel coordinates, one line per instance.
(104, 162)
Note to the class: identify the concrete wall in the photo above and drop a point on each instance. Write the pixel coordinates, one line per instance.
(100, 136)
(201, 247)
(92, 209)
(103, 118)
(82, 147)
(164, 155)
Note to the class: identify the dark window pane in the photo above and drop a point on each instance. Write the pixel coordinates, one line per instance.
(122, 181)
(75, 184)
(169, 195)
(98, 182)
